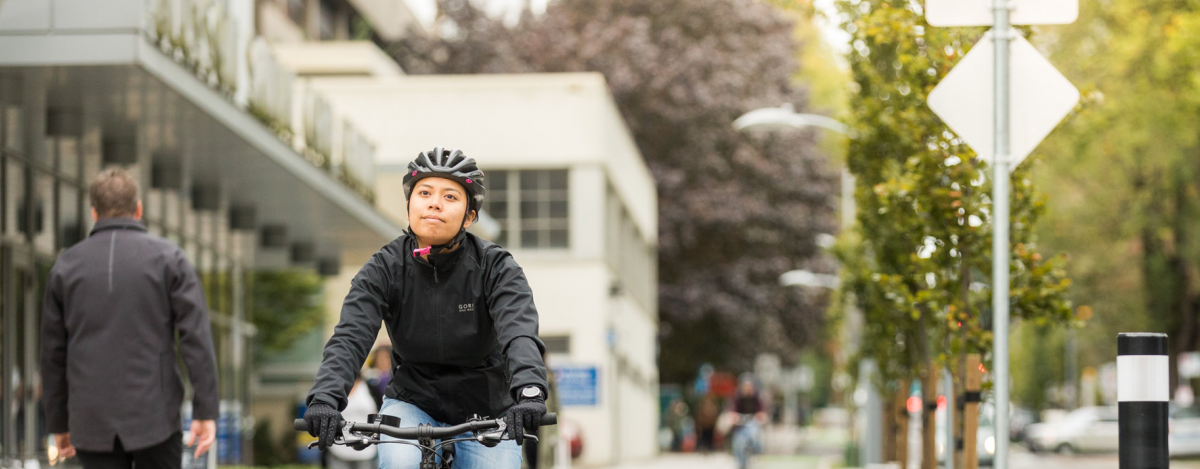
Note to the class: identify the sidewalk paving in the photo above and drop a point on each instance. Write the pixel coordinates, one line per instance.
(784, 447)
(724, 461)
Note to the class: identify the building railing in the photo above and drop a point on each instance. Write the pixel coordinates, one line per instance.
(199, 34)
(205, 37)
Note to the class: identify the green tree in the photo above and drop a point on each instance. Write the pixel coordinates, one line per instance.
(285, 305)
(1130, 188)
(919, 263)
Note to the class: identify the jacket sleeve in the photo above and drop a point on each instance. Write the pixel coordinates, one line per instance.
(362, 314)
(510, 302)
(54, 356)
(195, 335)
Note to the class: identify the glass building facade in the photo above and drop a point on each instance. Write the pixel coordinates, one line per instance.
(87, 88)
(44, 209)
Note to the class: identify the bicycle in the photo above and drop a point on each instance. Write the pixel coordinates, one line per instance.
(745, 440)
(488, 432)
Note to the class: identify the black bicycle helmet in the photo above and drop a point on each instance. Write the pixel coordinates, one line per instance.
(450, 164)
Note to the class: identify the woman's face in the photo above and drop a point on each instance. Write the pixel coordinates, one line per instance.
(436, 209)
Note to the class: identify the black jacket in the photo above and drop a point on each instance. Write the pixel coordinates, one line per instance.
(113, 304)
(463, 326)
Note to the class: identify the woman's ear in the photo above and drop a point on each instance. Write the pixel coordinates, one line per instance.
(470, 219)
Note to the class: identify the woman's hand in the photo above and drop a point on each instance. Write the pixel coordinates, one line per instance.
(323, 422)
(524, 418)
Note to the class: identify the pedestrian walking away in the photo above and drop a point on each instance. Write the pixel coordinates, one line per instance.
(461, 318)
(113, 306)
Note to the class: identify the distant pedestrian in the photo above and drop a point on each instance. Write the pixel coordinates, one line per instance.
(114, 303)
(707, 412)
(359, 404)
(379, 373)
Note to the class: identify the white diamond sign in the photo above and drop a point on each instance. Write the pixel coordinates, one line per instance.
(979, 12)
(1039, 98)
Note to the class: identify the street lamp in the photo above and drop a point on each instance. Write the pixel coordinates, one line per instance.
(785, 117)
(804, 278)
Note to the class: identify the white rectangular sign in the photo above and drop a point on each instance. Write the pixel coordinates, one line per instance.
(979, 12)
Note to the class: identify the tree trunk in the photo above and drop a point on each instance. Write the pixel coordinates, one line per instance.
(960, 373)
(957, 375)
(889, 427)
(901, 412)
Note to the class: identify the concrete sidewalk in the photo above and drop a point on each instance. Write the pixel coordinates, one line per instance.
(725, 461)
(784, 447)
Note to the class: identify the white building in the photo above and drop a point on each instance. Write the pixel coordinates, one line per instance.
(574, 203)
(569, 195)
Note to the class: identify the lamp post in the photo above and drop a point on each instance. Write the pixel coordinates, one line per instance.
(785, 117)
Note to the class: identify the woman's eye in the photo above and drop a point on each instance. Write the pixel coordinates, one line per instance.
(452, 197)
(425, 193)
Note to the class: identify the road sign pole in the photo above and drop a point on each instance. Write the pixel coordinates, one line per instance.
(1001, 33)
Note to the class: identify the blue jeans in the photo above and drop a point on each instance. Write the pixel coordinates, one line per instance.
(469, 454)
(745, 444)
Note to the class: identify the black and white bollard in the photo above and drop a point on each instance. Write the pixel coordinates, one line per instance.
(1143, 382)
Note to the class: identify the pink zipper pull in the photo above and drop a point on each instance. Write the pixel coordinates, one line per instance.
(422, 252)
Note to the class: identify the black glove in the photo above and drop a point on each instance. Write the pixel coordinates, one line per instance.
(524, 418)
(324, 422)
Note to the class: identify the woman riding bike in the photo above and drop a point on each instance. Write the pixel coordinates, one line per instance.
(750, 416)
(462, 321)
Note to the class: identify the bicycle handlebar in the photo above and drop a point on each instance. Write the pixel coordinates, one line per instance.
(436, 433)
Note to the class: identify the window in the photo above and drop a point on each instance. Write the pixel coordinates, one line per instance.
(560, 344)
(530, 206)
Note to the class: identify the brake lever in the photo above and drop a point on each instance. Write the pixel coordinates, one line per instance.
(494, 437)
(349, 438)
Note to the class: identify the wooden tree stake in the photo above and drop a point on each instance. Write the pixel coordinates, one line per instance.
(971, 412)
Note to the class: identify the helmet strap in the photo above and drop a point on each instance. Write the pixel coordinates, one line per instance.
(440, 248)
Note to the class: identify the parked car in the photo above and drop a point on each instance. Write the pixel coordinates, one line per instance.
(1018, 420)
(1088, 429)
(1183, 436)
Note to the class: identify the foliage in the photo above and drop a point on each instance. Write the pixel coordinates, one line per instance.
(285, 305)
(1037, 353)
(1126, 173)
(920, 262)
(735, 211)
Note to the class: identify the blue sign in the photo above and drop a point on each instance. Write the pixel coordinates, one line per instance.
(577, 386)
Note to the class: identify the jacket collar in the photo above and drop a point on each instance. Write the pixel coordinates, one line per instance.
(442, 261)
(120, 223)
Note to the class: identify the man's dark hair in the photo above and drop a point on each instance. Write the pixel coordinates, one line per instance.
(114, 194)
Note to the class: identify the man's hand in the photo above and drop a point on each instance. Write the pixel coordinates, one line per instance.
(204, 432)
(63, 442)
(525, 418)
(323, 422)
